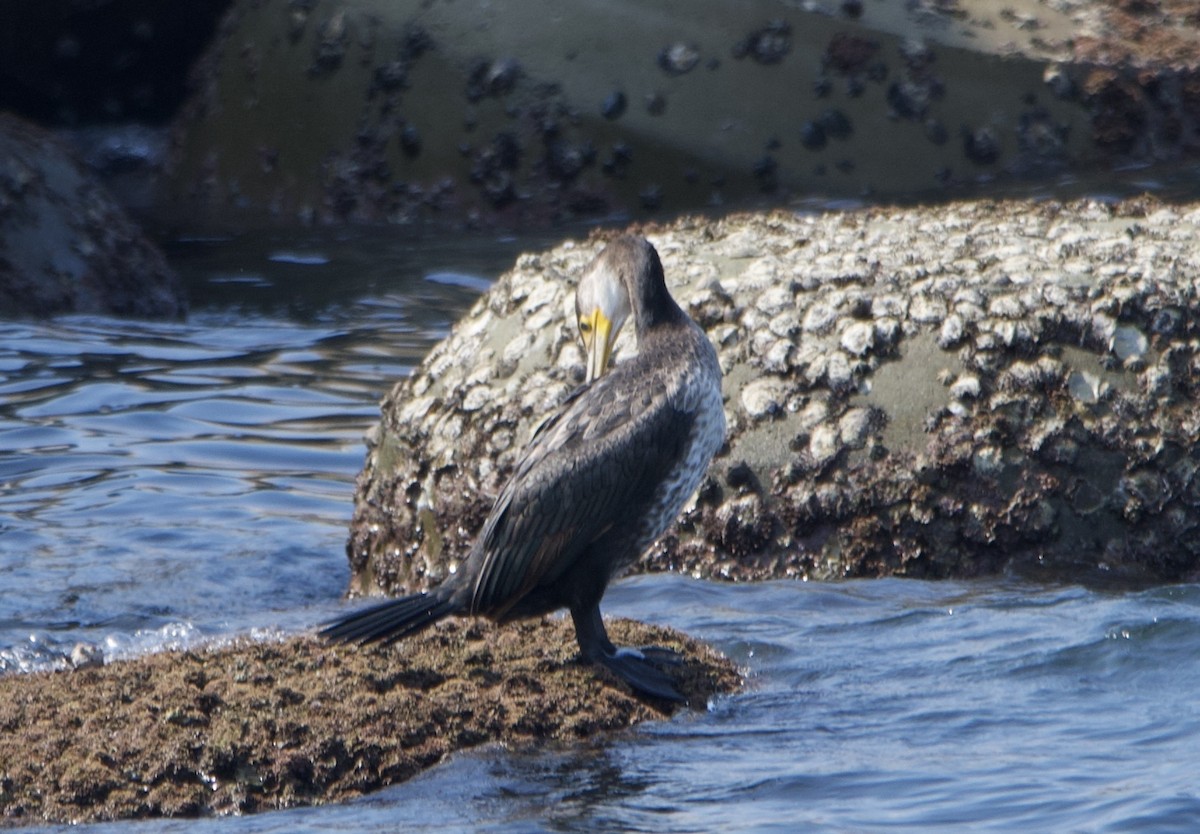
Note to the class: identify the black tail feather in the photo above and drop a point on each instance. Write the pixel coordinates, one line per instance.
(390, 621)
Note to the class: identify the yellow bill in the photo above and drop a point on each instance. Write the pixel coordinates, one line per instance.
(598, 336)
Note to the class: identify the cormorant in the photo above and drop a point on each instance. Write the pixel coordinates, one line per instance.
(600, 480)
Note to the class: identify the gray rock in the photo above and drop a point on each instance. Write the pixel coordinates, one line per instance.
(481, 113)
(65, 245)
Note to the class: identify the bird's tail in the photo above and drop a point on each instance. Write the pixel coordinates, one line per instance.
(392, 620)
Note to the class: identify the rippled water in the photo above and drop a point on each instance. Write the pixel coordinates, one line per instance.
(162, 483)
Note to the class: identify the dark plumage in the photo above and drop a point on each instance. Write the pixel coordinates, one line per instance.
(601, 479)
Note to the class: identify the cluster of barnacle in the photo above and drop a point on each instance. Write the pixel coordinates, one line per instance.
(1015, 386)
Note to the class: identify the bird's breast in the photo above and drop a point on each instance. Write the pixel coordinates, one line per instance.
(698, 394)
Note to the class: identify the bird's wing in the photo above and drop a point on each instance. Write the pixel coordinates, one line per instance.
(592, 465)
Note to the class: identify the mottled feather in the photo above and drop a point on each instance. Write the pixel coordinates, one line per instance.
(588, 468)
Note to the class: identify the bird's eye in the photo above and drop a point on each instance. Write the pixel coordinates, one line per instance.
(585, 326)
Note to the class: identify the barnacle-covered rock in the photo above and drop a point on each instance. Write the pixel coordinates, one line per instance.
(1003, 387)
(511, 114)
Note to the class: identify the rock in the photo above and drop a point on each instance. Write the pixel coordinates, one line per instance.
(761, 397)
(260, 726)
(86, 656)
(1035, 427)
(65, 245)
(502, 115)
(858, 337)
(77, 62)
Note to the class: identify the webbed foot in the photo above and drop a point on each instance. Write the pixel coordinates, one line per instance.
(658, 655)
(642, 672)
(640, 668)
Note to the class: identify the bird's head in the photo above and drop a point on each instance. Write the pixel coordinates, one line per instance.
(601, 308)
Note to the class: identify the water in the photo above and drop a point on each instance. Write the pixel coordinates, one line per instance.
(167, 483)
(164, 481)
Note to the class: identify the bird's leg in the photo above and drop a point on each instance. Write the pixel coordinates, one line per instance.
(634, 666)
(590, 632)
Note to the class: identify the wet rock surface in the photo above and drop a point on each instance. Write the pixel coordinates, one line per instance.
(65, 244)
(952, 391)
(256, 726)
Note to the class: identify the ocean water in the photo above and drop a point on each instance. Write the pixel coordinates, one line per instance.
(168, 483)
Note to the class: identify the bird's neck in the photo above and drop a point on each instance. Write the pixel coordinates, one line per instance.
(658, 310)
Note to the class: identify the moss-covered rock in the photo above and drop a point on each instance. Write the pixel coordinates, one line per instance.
(253, 726)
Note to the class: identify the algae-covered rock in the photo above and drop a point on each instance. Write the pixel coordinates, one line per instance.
(254, 726)
(933, 392)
